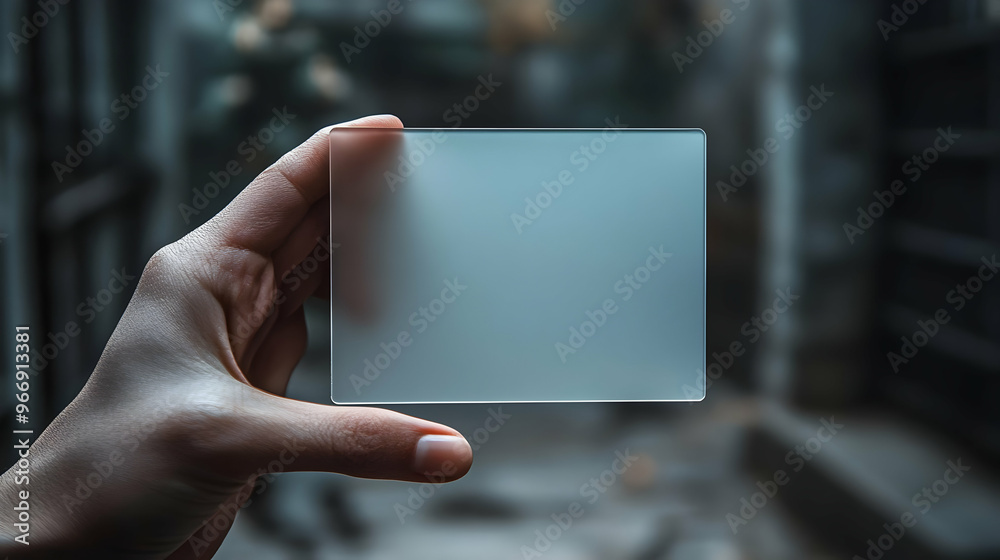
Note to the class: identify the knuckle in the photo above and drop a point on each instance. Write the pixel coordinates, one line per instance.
(164, 270)
(362, 433)
(204, 428)
(177, 261)
(163, 261)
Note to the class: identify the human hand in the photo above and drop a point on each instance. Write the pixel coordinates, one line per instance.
(184, 408)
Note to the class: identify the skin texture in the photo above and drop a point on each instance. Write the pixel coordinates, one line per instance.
(184, 409)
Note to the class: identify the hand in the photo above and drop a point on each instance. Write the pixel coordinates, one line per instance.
(184, 408)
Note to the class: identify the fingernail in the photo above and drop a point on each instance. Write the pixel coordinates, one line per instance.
(439, 455)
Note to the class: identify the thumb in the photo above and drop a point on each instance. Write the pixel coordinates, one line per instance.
(356, 441)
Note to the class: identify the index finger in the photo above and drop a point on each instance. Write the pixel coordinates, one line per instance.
(262, 216)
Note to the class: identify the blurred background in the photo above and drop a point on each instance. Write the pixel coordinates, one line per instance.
(838, 431)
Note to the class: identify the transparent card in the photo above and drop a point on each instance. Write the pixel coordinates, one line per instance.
(517, 265)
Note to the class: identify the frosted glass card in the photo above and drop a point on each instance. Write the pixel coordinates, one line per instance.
(517, 265)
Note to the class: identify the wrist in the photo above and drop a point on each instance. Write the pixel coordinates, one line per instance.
(22, 512)
(15, 527)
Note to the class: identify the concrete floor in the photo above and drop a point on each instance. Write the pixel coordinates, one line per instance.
(671, 503)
